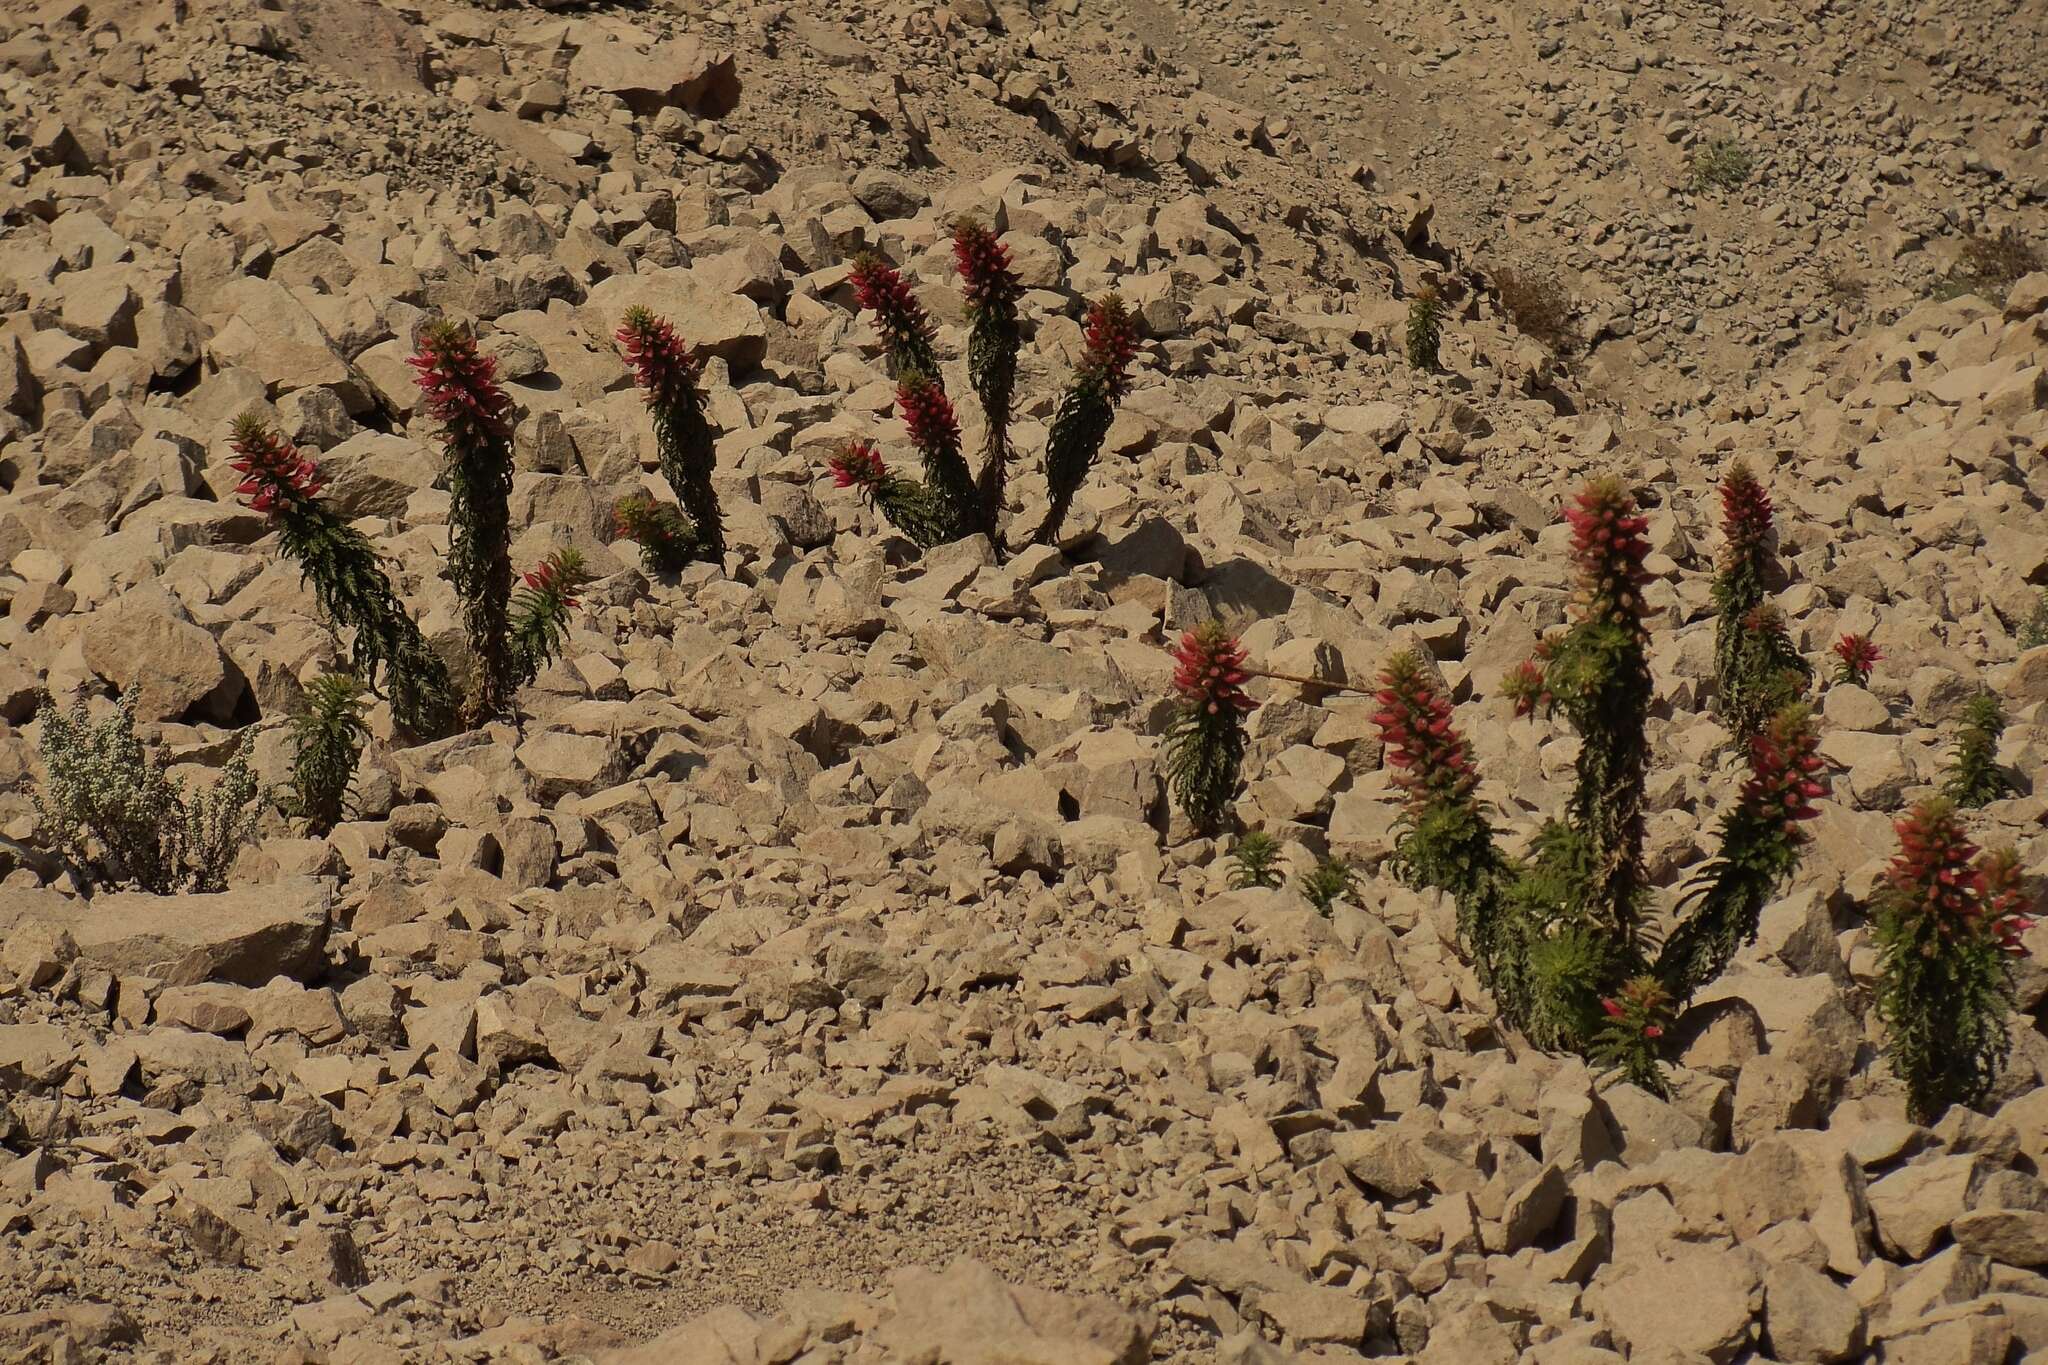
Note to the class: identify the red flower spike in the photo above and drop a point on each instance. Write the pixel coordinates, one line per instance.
(929, 415)
(986, 279)
(460, 384)
(664, 367)
(857, 464)
(1608, 549)
(1209, 670)
(1857, 657)
(1934, 872)
(275, 475)
(1430, 757)
(1786, 770)
(1640, 1005)
(1525, 687)
(545, 577)
(1745, 513)
(2006, 898)
(1110, 343)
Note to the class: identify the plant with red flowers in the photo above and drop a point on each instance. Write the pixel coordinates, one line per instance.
(935, 431)
(459, 384)
(1558, 937)
(1626, 1038)
(667, 373)
(908, 505)
(973, 504)
(908, 337)
(1109, 343)
(1855, 656)
(665, 536)
(991, 289)
(1205, 741)
(347, 577)
(1946, 922)
(540, 612)
(1757, 669)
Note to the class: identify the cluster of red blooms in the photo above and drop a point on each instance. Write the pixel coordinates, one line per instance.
(1210, 671)
(273, 473)
(885, 293)
(928, 413)
(1858, 656)
(460, 385)
(1639, 1005)
(1526, 686)
(1785, 776)
(1430, 756)
(1112, 343)
(545, 578)
(1938, 872)
(1608, 548)
(1745, 513)
(857, 464)
(984, 265)
(663, 366)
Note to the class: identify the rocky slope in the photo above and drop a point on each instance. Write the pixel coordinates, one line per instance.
(815, 972)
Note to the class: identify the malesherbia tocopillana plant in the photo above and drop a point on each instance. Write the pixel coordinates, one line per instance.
(1947, 922)
(952, 503)
(1255, 861)
(1757, 669)
(460, 388)
(347, 577)
(1855, 657)
(1329, 881)
(668, 374)
(539, 625)
(1425, 330)
(1975, 776)
(910, 506)
(327, 742)
(1560, 937)
(1205, 741)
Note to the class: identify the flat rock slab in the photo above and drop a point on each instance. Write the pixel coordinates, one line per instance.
(245, 937)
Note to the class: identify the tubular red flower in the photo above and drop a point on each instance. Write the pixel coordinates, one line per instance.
(460, 384)
(1608, 550)
(1209, 670)
(1430, 757)
(1110, 343)
(1745, 514)
(1786, 770)
(275, 475)
(664, 367)
(857, 464)
(1858, 656)
(986, 279)
(929, 416)
(546, 577)
(1525, 687)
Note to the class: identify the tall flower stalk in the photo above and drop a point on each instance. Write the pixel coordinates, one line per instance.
(1205, 741)
(461, 391)
(1109, 343)
(1757, 669)
(991, 289)
(935, 430)
(667, 373)
(347, 577)
(539, 624)
(1947, 921)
